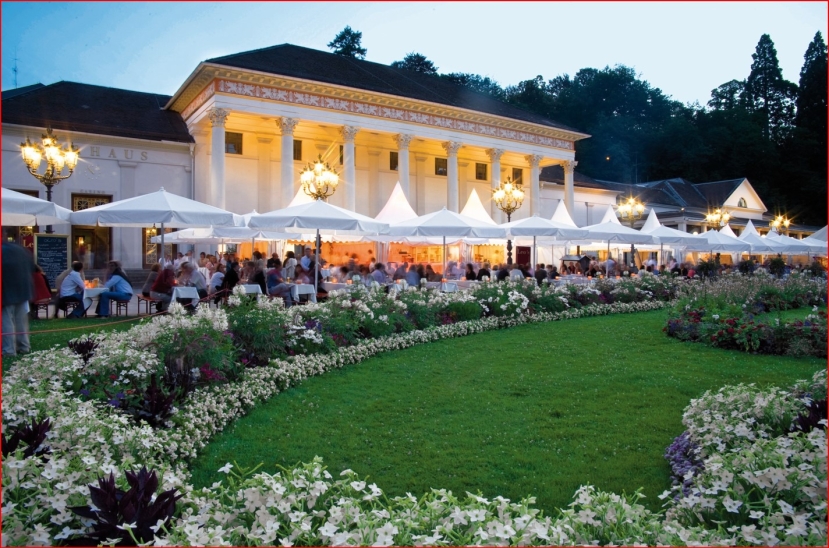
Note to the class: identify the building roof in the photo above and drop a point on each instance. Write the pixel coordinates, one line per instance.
(9, 93)
(555, 174)
(321, 66)
(718, 192)
(678, 192)
(70, 106)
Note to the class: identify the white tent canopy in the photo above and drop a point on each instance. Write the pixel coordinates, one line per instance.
(666, 235)
(759, 245)
(23, 210)
(221, 235)
(714, 241)
(611, 230)
(793, 246)
(820, 235)
(300, 198)
(397, 208)
(475, 209)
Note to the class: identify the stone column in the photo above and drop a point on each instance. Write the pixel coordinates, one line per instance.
(463, 190)
(264, 192)
(420, 183)
(286, 159)
(349, 169)
(682, 225)
(451, 148)
(218, 117)
(375, 196)
(569, 192)
(202, 166)
(534, 186)
(495, 156)
(403, 141)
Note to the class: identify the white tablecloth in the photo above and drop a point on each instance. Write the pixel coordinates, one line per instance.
(92, 293)
(186, 292)
(252, 289)
(464, 284)
(303, 289)
(332, 286)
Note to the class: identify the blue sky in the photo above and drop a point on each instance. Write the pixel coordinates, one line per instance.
(684, 48)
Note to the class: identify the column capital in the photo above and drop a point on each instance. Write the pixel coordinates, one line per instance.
(495, 154)
(451, 147)
(218, 116)
(569, 166)
(403, 140)
(287, 125)
(533, 159)
(348, 133)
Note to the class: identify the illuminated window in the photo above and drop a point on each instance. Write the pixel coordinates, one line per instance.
(297, 150)
(233, 143)
(393, 159)
(517, 175)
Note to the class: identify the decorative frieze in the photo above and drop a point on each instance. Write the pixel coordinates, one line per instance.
(316, 100)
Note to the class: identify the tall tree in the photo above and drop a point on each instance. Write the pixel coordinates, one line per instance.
(811, 99)
(728, 96)
(416, 62)
(347, 43)
(476, 82)
(768, 93)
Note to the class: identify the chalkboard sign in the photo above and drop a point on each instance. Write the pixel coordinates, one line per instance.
(52, 254)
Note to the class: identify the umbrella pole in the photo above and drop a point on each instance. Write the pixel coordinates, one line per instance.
(661, 255)
(161, 255)
(317, 262)
(535, 257)
(443, 275)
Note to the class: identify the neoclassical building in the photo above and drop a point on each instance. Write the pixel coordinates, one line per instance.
(240, 128)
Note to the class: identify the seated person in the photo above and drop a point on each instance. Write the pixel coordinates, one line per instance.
(379, 274)
(412, 277)
(483, 272)
(401, 272)
(503, 273)
(162, 289)
(470, 272)
(301, 275)
(516, 274)
(344, 275)
(120, 289)
(216, 280)
(552, 273)
(431, 275)
(276, 283)
(71, 290)
(148, 284)
(540, 274)
(191, 276)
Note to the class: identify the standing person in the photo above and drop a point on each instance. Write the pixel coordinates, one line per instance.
(120, 289)
(289, 266)
(18, 268)
(306, 259)
(71, 290)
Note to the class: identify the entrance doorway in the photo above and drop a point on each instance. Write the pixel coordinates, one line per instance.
(91, 245)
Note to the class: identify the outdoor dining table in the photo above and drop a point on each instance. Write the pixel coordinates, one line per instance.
(467, 284)
(252, 289)
(304, 289)
(186, 292)
(91, 293)
(332, 286)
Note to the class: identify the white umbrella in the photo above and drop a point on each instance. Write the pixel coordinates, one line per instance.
(221, 235)
(23, 210)
(162, 208)
(320, 216)
(446, 223)
(715, 241)
(666, 235)
(536, 226)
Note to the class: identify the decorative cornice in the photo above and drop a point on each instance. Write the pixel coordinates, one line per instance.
(403, 140)
(287, 125)
(451, 147)
(348, 133)
(569, 166)
(495, 154)
(214, 79)
(533, 160)
(218, 116)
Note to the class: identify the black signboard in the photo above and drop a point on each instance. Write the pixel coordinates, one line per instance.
(52, 254)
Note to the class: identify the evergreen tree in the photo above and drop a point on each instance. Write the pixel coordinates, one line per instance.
(768, 94)
(811, 99)
(347, 43)
(416, 62)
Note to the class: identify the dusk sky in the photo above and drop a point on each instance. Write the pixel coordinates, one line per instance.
(685, 49)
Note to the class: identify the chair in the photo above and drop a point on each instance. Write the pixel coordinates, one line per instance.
(120, 305)
(42, 304)
(146, 301)
(66, 307)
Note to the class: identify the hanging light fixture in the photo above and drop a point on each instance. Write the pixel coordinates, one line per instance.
(319, 180)
(718, 217)
(508, 198)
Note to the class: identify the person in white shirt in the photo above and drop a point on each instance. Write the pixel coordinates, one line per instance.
(71, 290)
(191, 276)
(289, 266)
(179, 259)
(217, 279)
(306, 259)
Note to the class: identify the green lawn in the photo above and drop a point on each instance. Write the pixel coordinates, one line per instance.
(533, 410)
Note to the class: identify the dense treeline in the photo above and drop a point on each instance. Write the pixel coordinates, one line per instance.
(762, 127)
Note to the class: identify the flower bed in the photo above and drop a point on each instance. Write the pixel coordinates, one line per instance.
(99, 396)
(723, 313)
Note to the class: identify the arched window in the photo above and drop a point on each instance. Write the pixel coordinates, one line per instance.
(741, 202)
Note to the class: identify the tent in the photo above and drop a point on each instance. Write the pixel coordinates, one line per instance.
(23, 210)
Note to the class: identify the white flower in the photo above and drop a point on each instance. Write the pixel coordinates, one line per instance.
(226, 468)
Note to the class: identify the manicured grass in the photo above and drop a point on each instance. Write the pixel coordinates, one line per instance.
(533, 410)
(787, 315)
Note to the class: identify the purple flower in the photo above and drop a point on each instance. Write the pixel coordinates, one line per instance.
(683, 458)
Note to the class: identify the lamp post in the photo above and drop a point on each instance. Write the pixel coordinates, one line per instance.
(781, 221)
(717, 218)
(631, 210)
(508, 198)
(57, 158)
(319, 182)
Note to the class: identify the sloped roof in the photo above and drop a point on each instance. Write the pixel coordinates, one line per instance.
(678, 192)
(555, 174)
(85, 108)
(9, 93)
(718, 192)
(321, 66)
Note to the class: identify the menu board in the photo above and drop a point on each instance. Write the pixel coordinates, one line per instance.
(52, 254)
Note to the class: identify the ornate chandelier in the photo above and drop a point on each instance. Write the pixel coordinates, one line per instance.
(318, 180)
